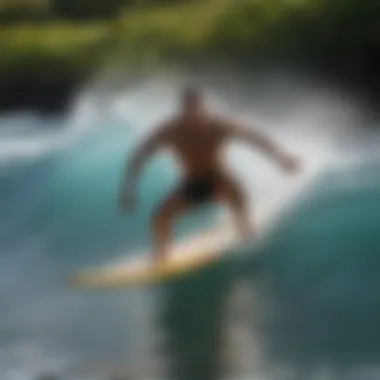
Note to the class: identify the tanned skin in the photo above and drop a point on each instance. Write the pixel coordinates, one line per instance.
(197, 139)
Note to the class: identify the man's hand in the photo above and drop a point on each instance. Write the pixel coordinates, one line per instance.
(127, 200)
(290, 163)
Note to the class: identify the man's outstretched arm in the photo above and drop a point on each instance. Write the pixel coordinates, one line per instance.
(141, 155)
(262, 141)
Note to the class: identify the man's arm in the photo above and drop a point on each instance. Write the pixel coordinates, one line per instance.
(258, 139)
(143, 152)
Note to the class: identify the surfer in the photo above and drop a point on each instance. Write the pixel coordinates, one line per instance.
(196, 137)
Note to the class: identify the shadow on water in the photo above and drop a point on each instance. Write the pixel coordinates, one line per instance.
(193, 320)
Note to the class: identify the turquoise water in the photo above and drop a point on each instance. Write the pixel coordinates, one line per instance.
(324, 264)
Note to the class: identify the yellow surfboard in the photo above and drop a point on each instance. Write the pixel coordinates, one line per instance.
(185, 257)
(197, 251)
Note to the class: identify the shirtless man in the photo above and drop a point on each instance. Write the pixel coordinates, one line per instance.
(197, 137)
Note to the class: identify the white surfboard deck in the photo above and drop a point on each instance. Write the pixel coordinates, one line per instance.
(199, 250)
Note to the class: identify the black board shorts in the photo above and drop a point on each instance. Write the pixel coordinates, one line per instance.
(198, 190)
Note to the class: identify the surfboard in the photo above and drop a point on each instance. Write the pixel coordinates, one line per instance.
(194, 252)
(184, 257)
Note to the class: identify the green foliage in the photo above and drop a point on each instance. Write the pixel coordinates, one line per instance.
(50, 48)
(172, 30)
(249, 24)
(309, 28)
(165, 29)
(18, 10)
(88, 9)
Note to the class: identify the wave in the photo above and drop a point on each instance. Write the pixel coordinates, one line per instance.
(58, 201)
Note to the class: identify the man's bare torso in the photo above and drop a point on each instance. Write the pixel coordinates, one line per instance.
(197, 143)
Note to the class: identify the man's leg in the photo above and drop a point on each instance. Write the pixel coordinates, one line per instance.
(162, 222)
(231, 193)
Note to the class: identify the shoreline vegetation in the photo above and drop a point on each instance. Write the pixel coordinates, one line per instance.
(50, 47)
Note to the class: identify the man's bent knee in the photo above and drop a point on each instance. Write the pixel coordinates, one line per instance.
(167, 212)
(161, 217)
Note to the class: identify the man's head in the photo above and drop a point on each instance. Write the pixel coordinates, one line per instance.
(192, 100)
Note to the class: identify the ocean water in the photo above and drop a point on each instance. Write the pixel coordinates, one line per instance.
(305, 300)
